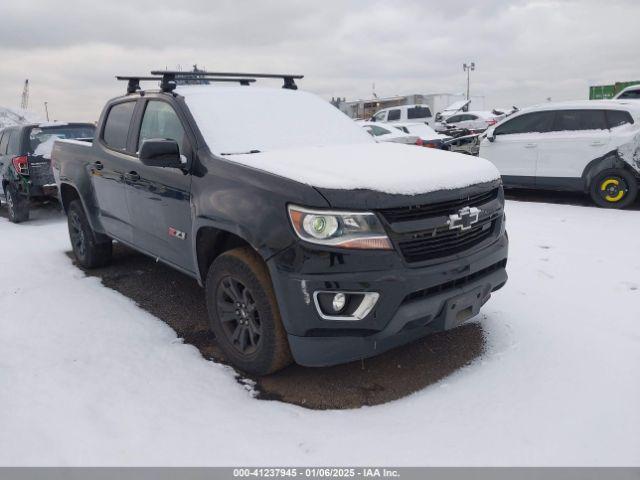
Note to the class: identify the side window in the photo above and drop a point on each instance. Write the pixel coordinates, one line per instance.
(535, 122)
(634, 94)
(161, 121)
(116, 128)
(380, 116)
(376, 131)
(4, 138)
(418, 112)
(615, 118)
(4, 144)
(571, 120)
(471, 117)
(394, 115)
(454, 119)
(13, 146)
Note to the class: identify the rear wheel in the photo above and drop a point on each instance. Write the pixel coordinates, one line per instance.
(243, 313)
(17, 204)
(614, 188)
(89, 252)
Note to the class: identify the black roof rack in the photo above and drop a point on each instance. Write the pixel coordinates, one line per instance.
(169, 84)
(169, 77)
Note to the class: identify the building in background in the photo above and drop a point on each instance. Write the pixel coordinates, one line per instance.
(603, 92)
(364, 109)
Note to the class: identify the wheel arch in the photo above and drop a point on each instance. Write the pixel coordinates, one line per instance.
(68, 194)
(608, 161)
(211, 242)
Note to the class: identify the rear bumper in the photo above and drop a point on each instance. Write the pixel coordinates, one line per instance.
(413, 302)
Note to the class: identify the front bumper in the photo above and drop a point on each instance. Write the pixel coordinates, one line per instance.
(413, 301)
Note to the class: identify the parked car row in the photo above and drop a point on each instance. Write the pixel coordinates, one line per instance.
(419, 134)
(591, 146)
(25, 163)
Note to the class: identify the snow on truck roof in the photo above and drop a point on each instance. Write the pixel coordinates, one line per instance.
(297, 135)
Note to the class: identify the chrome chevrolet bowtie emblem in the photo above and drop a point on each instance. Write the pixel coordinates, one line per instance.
(465, 217)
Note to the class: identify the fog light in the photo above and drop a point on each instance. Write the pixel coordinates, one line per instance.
(339, 301)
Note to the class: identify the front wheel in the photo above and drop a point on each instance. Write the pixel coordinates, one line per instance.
(88, 251)
(244, 314)
(17, 204)
(614, 188)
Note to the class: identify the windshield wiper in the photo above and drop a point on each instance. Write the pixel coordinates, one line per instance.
(241, 153)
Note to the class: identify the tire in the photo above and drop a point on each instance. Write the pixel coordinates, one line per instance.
(244, 314)
(614, 188)
(17, 204)
(89, 252)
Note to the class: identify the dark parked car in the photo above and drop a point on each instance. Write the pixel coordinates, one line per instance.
(25, 162)
(314, 243)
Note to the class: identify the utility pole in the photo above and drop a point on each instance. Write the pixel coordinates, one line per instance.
(468, 68)
(46, 109)
(24, 103)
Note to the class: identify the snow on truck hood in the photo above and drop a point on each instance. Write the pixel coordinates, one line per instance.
(384, 167)
(304, 138)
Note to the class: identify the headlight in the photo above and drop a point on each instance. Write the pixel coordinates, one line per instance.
(361, 230)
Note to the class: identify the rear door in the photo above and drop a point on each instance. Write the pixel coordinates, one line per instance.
(160, 198)
(514, 150)
(113, 160)
(576, 138)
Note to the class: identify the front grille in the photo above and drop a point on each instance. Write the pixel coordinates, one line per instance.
(418, 212)
(457, 283)
(443, 242)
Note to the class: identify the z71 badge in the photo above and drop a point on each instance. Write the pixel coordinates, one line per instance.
(177, 233)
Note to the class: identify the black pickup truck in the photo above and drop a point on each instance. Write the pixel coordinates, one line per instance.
(314, 243)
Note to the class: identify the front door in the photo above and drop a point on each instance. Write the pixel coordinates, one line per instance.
(516, 145)
(159, 198)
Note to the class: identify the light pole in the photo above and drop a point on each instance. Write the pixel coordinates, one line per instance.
(468, 68)
(46, 109)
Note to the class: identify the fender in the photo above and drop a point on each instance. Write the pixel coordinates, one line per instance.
(611, 159)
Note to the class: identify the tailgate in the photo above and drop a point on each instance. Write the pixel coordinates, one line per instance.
(40, 172)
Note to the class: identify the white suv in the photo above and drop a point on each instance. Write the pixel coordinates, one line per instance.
(591, 146)
(404, 113)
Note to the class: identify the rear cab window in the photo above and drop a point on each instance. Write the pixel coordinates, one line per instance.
(40, 139)
(117, 124)
(418, 112)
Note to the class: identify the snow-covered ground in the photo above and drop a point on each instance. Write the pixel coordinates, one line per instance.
(88, 378)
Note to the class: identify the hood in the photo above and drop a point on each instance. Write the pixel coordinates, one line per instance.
(385, 168)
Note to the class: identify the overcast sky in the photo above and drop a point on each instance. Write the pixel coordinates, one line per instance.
(525, 51)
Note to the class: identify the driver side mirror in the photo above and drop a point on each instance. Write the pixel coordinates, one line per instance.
(161, 152)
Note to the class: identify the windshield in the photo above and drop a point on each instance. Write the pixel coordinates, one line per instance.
(41, 137)
(236, 120)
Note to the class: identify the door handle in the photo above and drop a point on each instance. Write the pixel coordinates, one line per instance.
(530, 145)
(98, 165)
(132, 176)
